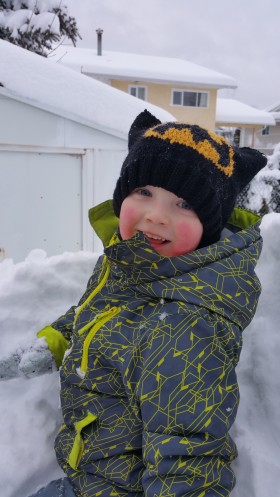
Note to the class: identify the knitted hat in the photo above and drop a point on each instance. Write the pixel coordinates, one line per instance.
(191, 162)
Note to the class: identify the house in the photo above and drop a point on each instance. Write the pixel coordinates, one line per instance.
(63, 138)
(247, 122)
(269, 136)
(186, 90)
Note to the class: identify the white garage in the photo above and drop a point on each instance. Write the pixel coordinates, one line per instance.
(63, 138)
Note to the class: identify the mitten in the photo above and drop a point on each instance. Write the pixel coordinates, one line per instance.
(31, 361)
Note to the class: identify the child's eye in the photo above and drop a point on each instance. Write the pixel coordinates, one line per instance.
(143, 191)
(184, 205)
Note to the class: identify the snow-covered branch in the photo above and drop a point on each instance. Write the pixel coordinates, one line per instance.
(36, 24)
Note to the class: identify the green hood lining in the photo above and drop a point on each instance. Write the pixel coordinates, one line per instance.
(105, 223)
(241, 218)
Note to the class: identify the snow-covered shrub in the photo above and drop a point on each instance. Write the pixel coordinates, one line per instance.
(262, 195)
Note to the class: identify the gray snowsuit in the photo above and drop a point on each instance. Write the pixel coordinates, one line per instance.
(148, 385)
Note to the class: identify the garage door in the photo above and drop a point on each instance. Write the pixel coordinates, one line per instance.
(40, 203)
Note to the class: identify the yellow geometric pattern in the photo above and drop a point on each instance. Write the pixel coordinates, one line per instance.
(154, 390)
(210, 146)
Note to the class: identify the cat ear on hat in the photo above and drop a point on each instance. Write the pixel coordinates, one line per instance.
(143, 121)
(250, 161)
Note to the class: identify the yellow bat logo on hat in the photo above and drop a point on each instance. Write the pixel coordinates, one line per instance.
(204, 147)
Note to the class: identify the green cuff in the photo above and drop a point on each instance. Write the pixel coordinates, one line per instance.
(56, 343)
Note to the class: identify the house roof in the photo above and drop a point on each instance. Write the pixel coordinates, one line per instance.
(39, 82)
(274, 109)
(231, 111)
(135, 67)
(276, 116)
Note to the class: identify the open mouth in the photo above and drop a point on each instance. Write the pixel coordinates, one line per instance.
(155, 240)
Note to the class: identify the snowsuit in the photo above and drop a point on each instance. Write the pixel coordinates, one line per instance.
(148, 385)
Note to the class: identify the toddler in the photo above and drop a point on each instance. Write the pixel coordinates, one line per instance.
(147, 358)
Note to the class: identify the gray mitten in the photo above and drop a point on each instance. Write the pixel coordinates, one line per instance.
(9, 366)
(32, 361)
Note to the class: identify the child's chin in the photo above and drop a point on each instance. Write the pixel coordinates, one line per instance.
(169, 251)
(165, 250)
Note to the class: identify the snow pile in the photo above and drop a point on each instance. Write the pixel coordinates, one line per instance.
(256, 431)
(38, 290)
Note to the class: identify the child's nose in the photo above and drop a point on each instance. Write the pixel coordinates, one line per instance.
(157, 215)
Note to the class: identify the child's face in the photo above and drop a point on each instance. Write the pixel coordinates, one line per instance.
(166, 220)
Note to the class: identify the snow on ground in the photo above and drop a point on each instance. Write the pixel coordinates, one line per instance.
(36, 291)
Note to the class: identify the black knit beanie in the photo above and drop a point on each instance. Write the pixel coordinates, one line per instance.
(195, 164)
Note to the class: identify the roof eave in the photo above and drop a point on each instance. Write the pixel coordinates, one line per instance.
(236, 123)
(135, 77)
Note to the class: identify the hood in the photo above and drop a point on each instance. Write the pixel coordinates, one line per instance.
(220, 278)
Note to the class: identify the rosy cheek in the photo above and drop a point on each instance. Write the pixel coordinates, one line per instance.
(127, 221)
(188, 238)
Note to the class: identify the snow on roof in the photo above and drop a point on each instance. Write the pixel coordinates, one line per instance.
(119, 65)
(36, 80)
(232, 111)
(276, 116)
(274, 110)
(274, 107)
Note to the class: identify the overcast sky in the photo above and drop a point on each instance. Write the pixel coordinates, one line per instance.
(240, 38)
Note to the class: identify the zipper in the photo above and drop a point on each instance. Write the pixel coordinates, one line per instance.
(98, 288)
(103, 279)
(100, 320)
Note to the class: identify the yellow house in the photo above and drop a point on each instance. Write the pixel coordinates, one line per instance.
(248, 122)
(187, 90)
(269, 136)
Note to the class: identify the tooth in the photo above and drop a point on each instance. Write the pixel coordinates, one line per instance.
(154, 237)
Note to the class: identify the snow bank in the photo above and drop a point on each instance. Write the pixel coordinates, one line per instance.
(36, 291)
(256, 430)
(32, 294)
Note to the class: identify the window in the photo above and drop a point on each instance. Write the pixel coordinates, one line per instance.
(265, 130)
(138, 91)
(190, 98)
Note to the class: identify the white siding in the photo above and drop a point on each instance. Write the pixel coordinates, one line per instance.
(40, 203)
(52, 170)
(268, 142)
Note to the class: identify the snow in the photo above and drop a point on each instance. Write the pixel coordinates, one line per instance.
(36, 291)
(162, 316)
(275, 107)
(276, 116)
(36, 80)
(23, 20)
(121, 65)
(232, 112)
(264, 187)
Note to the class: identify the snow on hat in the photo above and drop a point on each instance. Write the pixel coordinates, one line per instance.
(195, 164)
